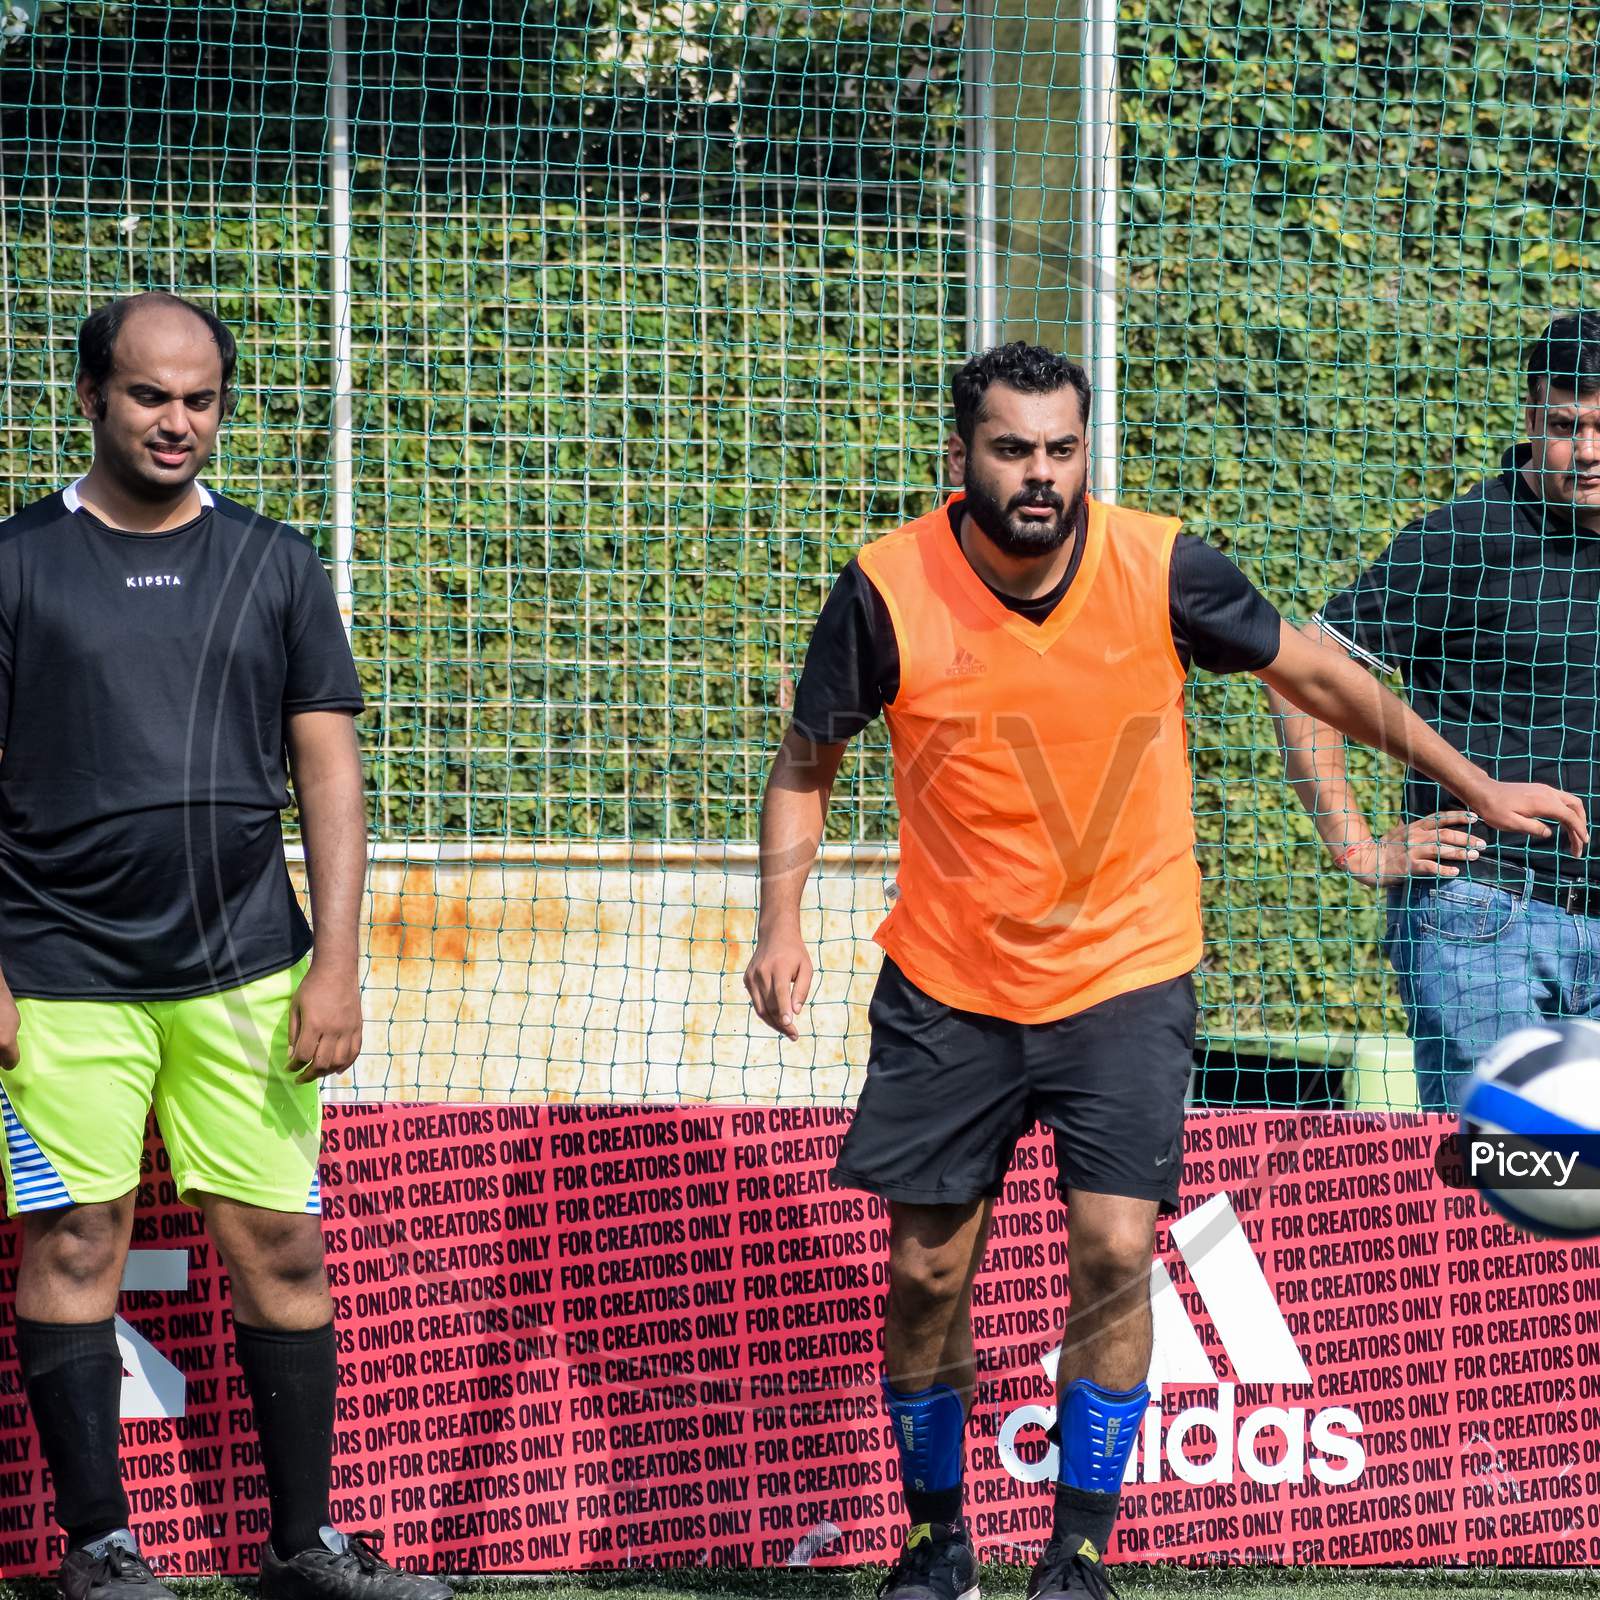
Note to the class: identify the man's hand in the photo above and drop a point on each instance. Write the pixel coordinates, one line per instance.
(1524, 808)
(778, 979)
(10, 1023)
(324, 1024)
(1425, 848)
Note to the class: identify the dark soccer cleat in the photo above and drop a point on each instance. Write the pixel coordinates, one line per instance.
(110, 1569)
(1070, 1574)
(345, 1566)
(936, 1564)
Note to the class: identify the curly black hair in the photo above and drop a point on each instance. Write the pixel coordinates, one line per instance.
(97, 338)
(1566, 354)
(1027, 368)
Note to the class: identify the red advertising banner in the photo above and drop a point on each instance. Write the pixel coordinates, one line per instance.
(591, 1337)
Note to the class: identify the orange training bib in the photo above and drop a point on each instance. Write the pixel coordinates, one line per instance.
(1042, 775)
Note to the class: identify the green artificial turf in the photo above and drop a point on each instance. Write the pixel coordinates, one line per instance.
(1133, 1583)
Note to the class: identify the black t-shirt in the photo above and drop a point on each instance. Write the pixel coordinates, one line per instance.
(145, 680)
(1220, 621)
(1489, 608)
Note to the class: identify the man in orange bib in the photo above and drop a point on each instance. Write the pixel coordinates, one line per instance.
(1028, 646)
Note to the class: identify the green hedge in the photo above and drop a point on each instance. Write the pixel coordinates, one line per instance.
(1338, 233)
(654, 316)
(639, 358)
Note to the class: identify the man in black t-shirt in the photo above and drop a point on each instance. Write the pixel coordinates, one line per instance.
(161, 648)
(1489, 608)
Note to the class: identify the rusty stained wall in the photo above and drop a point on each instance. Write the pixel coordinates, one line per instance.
(496, 982)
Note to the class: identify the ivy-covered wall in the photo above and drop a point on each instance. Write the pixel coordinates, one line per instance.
(654, 311)
(1341, 224)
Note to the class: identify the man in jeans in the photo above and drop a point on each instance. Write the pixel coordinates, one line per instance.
(1489, 608)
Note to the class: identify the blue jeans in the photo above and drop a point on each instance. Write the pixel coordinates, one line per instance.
(1474, 963)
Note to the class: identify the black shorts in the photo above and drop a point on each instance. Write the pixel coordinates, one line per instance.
(949, 1093)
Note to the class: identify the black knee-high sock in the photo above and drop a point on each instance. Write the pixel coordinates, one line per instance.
(292, 1378)
(1083, 1514)
(72, 1372)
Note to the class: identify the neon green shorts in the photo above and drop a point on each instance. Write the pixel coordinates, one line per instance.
(216, 1068)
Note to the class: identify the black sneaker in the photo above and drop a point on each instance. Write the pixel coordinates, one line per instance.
(110, 1569)
(345, 1566)
(1070, 1574)
(936, 1564)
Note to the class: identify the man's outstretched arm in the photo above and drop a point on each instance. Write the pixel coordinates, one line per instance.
(1314, 761)
(1338, 696)
(793, 812)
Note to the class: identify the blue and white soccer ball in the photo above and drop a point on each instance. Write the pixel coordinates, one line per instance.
(1530, 1129)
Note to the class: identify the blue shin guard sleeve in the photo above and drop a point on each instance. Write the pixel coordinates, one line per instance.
(1098, 1427)
(927, 1431)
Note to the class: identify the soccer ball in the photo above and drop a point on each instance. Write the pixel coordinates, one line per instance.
(1530, 1129)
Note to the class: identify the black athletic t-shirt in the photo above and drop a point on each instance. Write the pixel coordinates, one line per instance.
(1220, 621)
(145, 680)
(1489, 609)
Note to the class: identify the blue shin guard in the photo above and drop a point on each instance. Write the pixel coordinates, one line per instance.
(1098, 1428)
(927, 1432)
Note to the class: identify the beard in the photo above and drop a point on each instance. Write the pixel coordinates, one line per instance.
(1013, 534)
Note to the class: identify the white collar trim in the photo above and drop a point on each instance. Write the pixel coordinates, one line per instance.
(74, 501)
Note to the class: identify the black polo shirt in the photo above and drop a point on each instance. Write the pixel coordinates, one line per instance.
(145, 683)
(1489, 608)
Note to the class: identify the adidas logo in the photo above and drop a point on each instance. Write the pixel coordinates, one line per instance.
(151, 1385)
(1210, 1444)
(963, 664)
(1237, 1296)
